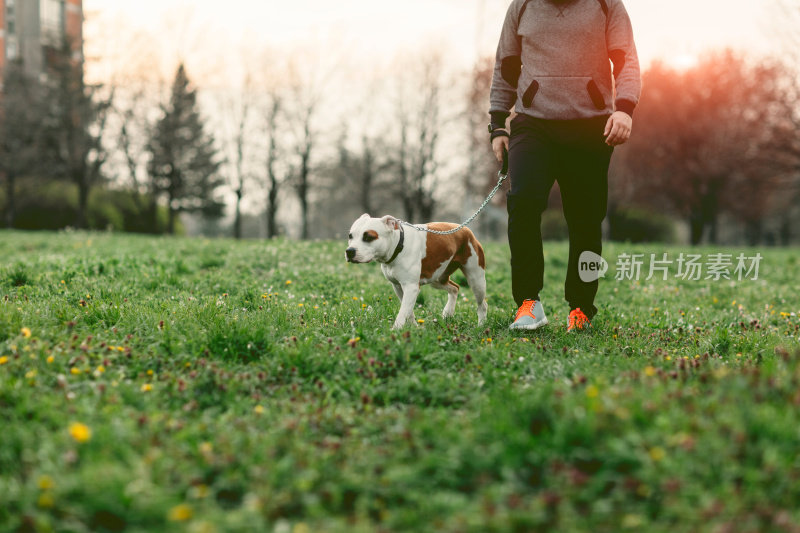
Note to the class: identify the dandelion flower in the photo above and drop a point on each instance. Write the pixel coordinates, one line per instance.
(288, 282)
(50, 359)
(74, 371)
(3, 360)
(46, 483)
(180, 513)
(592, 391)
(80, 432)
(657, 453)
(259, 409)
(26, 332)
(146, 387)
(45, 500)
(649, 371)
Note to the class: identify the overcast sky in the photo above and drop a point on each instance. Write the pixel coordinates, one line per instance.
(373, 30)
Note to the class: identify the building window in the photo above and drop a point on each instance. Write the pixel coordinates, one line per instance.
(52, 18)
(11, 19)
(12, 51)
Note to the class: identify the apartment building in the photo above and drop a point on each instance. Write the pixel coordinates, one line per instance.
(33, 32)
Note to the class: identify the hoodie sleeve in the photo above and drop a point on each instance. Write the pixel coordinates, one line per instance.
(622, 51)
(507, 68)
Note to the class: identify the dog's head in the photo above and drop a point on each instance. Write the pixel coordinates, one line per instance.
(371, 239)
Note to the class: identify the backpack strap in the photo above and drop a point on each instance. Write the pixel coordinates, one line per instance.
(604, 7)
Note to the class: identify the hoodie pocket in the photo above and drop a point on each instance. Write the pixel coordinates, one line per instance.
(561, 97)
(530, 93)
(595, 94)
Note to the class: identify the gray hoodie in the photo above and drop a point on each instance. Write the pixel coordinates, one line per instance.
(553, 60)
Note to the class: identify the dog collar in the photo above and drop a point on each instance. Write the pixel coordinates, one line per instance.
(399, 246)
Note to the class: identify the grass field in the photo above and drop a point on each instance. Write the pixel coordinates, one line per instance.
(154, 384)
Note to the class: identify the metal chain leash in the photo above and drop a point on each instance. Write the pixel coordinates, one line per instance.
(501, 177)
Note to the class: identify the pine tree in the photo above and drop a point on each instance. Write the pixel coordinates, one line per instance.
(184, 164)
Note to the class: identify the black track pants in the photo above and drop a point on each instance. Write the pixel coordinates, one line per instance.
(574, 153)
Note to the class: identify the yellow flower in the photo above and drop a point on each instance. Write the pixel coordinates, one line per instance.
(149, 372)
(30, 374)
(75, 371)
(649, 371)
(101, 369)
(26, 332)
(657, 453)
(180, 513)
(45, 500)
(592, 391)
(420, 320)
(46, 483)
(50, 359)
(3, 360)
(288, 282)
(146, 387)
(300, 305)
(258, 409)
(80, 432)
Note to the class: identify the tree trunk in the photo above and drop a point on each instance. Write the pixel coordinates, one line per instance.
(82, 220)
(10, 199)
(171, 215)
(304, 210)
(272, 209)
(237, 221)
(786, 231)
(753, 232)
(302, 189)
(696, 227)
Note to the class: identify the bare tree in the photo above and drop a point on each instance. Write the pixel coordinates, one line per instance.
(237, 111)
(308, 78)
(274, 180)
(419, 120)
(78, 115)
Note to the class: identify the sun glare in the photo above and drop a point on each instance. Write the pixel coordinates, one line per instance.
(683, 61)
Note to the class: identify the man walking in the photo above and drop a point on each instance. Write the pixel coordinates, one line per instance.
(554, 66)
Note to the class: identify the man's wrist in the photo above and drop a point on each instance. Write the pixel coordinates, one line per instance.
(499, 132)
(498, 120)
(626, 106)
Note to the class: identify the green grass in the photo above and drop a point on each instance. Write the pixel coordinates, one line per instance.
(257, 386)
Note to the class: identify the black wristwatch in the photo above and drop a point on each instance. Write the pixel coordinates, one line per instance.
(497, 131)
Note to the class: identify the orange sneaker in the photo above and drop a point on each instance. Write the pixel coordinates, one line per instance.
(577, 321)
(530, 315)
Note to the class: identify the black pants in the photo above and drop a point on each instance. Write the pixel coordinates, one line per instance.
(574, 153)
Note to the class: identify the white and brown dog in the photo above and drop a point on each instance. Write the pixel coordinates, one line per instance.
(410, 259)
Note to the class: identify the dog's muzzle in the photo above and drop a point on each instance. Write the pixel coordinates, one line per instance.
(351, 254)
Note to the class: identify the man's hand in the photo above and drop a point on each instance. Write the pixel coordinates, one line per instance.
(618, 128)
(498, 145)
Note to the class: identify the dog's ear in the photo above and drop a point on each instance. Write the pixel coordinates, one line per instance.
(362, 217)
(391, 222)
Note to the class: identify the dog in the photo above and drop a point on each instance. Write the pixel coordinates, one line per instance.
(410, 259)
